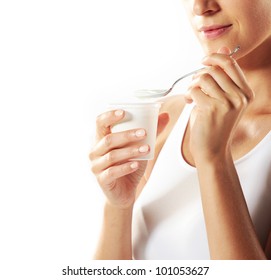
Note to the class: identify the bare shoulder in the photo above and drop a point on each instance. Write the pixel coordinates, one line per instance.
(173, 106)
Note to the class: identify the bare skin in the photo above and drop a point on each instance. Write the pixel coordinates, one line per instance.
(232, 111)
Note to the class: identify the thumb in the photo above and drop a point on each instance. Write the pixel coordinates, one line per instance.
(224, 50)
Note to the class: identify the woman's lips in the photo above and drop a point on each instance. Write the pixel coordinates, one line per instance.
(215, 31)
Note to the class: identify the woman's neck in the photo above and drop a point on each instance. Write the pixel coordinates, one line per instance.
(257, 59)
(257, 69)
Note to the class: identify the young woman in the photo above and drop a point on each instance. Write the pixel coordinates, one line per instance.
(213, 199)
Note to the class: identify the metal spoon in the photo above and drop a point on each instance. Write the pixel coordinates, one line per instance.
(155, 93)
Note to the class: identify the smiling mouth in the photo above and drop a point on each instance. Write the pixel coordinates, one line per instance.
(213, 32)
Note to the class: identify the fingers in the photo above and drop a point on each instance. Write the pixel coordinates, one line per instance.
(116, 140)
(116, 148)
(215, 83)
(200, 98)
(110, 141)
(209, 83)
(229, 65)
(224, 50)
(108, 176)
(223, 80)
(118, 156)
(106, 120)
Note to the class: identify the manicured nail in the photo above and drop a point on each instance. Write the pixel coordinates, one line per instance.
(134, 165)
(140, 133)
(143, 149)
(118, 113)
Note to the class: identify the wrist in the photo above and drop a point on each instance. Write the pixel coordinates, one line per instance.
(119, 210)
(213, 159)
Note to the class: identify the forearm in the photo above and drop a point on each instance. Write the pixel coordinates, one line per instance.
(115, 239)
(230, 231)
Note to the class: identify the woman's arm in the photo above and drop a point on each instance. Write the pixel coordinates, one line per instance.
(230, 231)
(221, 95)
(115, 238)
(118, 177)
(121, 180)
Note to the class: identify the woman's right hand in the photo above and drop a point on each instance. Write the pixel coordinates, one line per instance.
(111, 156)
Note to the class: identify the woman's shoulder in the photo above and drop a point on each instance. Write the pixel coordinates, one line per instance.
(176, 102)
(173, 106)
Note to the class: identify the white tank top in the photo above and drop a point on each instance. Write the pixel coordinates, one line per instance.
(168, 220)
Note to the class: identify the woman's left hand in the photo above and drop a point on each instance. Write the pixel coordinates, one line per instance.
(221, 94)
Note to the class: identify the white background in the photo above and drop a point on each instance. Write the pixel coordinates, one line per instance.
(60, 61)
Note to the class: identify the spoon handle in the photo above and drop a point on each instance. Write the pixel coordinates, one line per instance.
(195, 71)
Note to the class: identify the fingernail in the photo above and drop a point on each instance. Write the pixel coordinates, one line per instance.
(134, 165)
(143, 149)
(140, 133)
(118, 113)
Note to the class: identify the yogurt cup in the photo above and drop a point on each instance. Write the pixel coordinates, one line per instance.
(139, 115)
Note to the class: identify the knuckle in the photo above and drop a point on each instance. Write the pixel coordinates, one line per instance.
(195, 92)
(100, 179)
(110, 157)
(93, 169)
(91, 155)
(226, 106)
(212, 108)
(127, 135)
(250, 95)
(229, 61)
(191, 93)
(240, 101)
(108, 140)
(103, 121)
(133, 152)
(109, 173)
(244, 100)
(204, 77)
(130, 135)
(99, 119)
(124, 168)
(213, 69)
(237, 102)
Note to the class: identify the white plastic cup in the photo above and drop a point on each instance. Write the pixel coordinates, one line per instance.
(139, 115)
